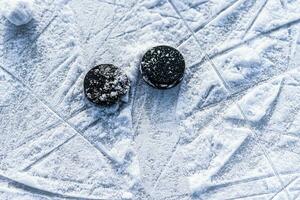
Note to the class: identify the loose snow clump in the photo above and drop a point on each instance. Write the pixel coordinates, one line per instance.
(18, 12)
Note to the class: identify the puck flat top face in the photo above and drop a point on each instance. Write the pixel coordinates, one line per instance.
(162, 67)
(105, 84)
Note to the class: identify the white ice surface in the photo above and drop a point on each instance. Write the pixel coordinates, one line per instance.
(230, 130)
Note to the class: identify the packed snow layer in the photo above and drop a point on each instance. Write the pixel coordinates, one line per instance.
(230, 130)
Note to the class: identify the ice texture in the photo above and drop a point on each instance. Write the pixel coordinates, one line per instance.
(229, 130)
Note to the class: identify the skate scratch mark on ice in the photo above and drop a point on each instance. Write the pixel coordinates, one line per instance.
(290, 182)
(296, 197)
(249, 180)
(132, 9)
(270, 111)
(204, 24)
(91, 125)
(261, 82)
(253, 38)
(38, 35)
(100, 148)
(70, 85)
(231, 154)
(290, 45)
(114, 4)
(265, 153)
(229, 90)
(283, 3)
(243, 42)
(165, 167)
(217, 114)
(174, 17)
(179, 196)
(40, 191)
(203, 100)
(80, 110)
(79, 27)
(54, 125)
(6, 190)
(132, 31)
(208, 93)
(229, 6)
(292, 151)
(65, 63)
(54, 180)
(19, 104)
(100, 31)
(95, 15)
(27, 168)
(68, 63)
(91, 59)
(139, 117)
(198, 109)
(287, 134)
(36, 134)
(3, 106)
(255, 18)
(199, 4)
(135, 86)
(294, 46)
(197, 41)
(293, 117)
(250, 195)
(134, 105)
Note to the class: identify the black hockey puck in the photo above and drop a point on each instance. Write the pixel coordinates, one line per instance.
(162, 67)
(105, 84)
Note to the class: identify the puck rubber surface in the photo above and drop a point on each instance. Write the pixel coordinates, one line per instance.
(105, 84)
(162, 67)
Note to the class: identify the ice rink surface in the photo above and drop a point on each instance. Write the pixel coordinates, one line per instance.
(230, 130)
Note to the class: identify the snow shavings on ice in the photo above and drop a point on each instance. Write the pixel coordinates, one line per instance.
(230, 130)
(257, 103)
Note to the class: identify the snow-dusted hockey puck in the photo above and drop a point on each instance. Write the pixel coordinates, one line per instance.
(162, 67)
(18, 12)
(105, 84)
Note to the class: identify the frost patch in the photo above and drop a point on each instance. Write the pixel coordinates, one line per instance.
(243, 66)
(223, 146)
(257, 103)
